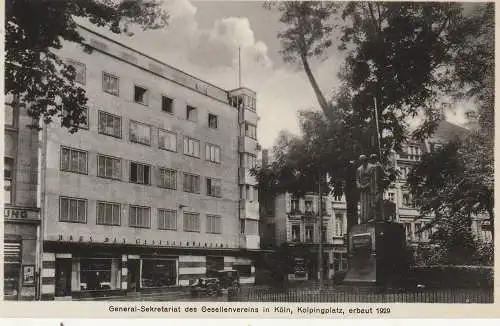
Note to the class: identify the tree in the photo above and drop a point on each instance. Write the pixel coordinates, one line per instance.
(35, 76)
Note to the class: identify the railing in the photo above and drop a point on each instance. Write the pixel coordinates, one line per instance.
(451, 295)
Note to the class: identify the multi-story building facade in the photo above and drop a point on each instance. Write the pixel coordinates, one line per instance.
(21, 205)
(153, 191)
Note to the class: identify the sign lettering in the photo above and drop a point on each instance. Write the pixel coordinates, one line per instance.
(20, 214)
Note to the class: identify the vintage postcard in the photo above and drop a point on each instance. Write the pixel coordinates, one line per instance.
(290, 159)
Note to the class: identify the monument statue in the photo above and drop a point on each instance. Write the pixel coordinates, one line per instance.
(377, 176)
(363, 182)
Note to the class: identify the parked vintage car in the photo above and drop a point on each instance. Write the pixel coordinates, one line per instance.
(209, 286)
(229, 279)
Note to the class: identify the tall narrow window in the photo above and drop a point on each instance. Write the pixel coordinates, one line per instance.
(250, 130)
(139, 173)
(8, 175)
(191, 113)
(73, 160)
(140, 95)
(309, 233)
(109, 167)
(167, 104)
(110, 84)
(108, 213)
(167, 140)
(110, 124)
(72, 210)
(296, 232)
(191, 222)
(167, 219)
(213, 121)
(140, 133)
(339, 225)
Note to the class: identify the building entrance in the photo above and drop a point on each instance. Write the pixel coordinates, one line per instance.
(63, 277)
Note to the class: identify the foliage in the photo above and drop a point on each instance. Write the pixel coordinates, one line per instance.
(35, 76)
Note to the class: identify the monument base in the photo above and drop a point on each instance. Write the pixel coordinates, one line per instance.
(377, 254)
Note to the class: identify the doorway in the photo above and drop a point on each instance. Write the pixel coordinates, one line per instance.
(63, 278)
(133, 275)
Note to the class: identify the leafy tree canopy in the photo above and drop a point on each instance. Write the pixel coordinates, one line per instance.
(35, 76)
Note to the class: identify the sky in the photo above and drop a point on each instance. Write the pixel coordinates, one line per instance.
(203, 38)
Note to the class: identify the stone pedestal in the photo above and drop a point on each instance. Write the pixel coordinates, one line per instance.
(377, 254)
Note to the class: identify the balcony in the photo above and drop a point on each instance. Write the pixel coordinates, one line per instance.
(245, 177)
(247, 144)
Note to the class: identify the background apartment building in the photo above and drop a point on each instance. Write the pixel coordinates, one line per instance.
(21, 209)
(154, 190)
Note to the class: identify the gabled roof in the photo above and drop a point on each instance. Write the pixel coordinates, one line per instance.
(447, 131)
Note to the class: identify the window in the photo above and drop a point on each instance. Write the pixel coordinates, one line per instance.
(309, 206)
(212, 153)
(139, 173)
(407, 200)
(323, 233)
(167, 104)
(213, 187)
(391, 196)
(167, 140)
(109, 167)
(309, 233)
(167, 219)
(8, 175)
(168, 178)
(72, 210)
(250, 161)
(108, 213)
(213, 121)
(191, 147)
(140, 133)
(95, 274)
(250, 131)
(408, 231)
(191, 183)
(191, 113)
(139, 217)
(339, 225)
(323, 206)
(295, 205)
(296, 232)
(140, 95)
(79, 71)
(214, 224)
(110, 84)
(110, 124)
(242, 226)
(191, 222)
(73, 160)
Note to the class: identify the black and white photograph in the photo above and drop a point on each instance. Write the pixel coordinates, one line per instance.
(249, 151)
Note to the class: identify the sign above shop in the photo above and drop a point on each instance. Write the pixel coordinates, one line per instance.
(11, 213)
(141, 242)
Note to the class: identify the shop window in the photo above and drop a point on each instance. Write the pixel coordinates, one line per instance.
(214, 264)
(95, 274)
(12, 269)
(159, 273)
(243, 270)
